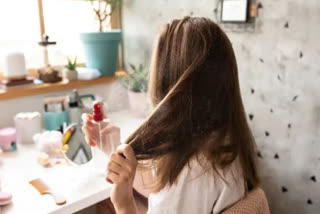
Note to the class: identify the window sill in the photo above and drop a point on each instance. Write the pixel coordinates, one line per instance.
(32, 89)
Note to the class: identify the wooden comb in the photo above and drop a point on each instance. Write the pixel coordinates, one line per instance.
(43, 188)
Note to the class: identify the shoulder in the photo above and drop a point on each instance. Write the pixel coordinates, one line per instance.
(232, 189)
(197, 180)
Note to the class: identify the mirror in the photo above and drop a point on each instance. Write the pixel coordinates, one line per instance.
(79, 152)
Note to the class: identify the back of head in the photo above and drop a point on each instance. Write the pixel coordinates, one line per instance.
(194, 88)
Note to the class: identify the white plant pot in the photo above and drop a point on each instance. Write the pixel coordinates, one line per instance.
(70, 74)
(138, 103)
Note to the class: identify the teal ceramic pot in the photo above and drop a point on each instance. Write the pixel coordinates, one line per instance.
(101, 50)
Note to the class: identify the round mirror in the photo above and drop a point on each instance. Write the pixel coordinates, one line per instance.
(79, 152)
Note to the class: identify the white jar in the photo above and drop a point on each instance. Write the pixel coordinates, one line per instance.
(15, 65)
(27, 124)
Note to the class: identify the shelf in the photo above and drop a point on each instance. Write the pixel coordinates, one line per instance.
(36, 89)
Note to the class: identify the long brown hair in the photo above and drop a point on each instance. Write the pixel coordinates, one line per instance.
(195, 90)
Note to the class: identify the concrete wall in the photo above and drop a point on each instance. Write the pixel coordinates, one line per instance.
(279, 76)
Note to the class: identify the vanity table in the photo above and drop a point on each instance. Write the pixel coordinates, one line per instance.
(78, 184)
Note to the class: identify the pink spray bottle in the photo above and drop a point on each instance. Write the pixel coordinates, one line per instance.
(99, 155)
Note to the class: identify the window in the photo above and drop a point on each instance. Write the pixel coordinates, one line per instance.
(64, 20)
(19, 24)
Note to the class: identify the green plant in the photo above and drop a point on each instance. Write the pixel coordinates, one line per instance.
(103, 10)
(72, 65)
(135, 80)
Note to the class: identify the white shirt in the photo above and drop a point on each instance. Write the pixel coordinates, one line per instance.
(200, 192)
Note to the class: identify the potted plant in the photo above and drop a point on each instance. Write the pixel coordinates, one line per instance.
(136, 81)
(101, 48)
(70, 71)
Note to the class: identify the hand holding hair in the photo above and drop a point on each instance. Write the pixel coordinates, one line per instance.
(121, 170)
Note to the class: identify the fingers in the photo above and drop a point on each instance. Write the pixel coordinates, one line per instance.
(90, 141)
(127, 151)
(90, 135)
(114, 167)
(86, 118)
(89, 129)
(122, 162)
(112, 177)
(123, 167)
(118, 159)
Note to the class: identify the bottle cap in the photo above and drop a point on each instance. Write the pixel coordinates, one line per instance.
(97, 111)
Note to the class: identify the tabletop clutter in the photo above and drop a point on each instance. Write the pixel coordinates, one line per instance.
(52, 141)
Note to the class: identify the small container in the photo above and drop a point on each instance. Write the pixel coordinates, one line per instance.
(49, 142)
(27, 124)
(71, 75)
(55, 120)
(15, 66)
(8, 139)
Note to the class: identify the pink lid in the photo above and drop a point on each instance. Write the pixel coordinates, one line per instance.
(7, 134)
(5, 198)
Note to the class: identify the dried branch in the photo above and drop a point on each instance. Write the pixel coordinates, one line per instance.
(106, 15)
(102, 13)
(97, 12)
